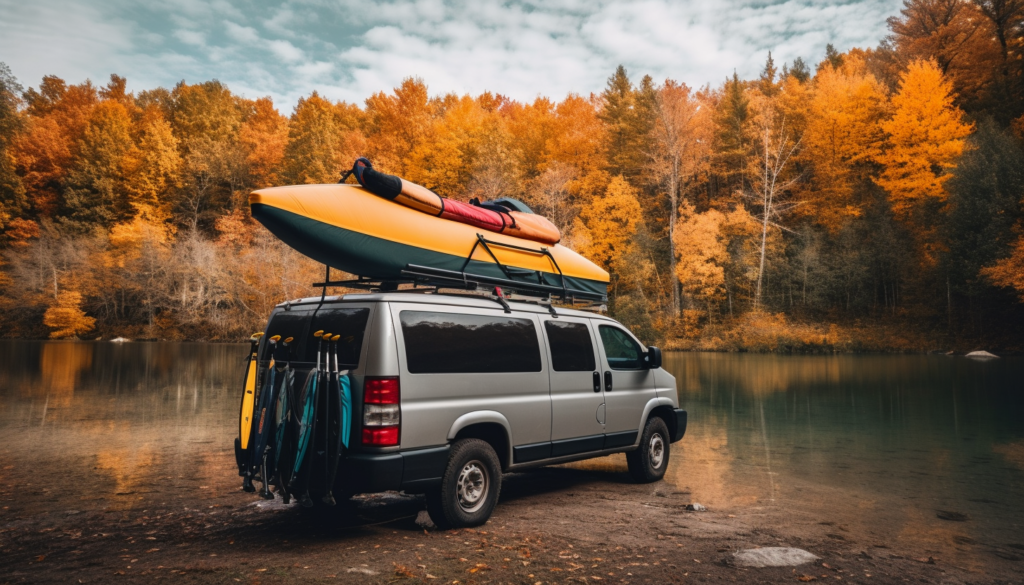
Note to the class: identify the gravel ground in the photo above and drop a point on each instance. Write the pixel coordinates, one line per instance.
(580, 523)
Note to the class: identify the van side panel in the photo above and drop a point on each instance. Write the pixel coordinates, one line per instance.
(431, 403)
(382, 359)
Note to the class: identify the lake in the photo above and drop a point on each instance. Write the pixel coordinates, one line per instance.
(926, 451)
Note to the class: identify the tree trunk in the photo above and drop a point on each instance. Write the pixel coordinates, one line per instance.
(764, 242)
(673, 214)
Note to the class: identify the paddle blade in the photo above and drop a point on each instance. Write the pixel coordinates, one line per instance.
(345, 382)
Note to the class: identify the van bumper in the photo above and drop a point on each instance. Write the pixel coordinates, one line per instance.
(410, 471)
(680, 429)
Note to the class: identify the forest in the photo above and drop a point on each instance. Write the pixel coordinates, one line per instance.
(872, 201)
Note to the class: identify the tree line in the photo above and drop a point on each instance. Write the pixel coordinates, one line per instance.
(880, 184)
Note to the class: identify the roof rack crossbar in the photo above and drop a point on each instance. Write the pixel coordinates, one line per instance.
(543, 251)
(429, 274)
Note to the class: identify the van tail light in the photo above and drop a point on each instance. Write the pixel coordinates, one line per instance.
(382, 415)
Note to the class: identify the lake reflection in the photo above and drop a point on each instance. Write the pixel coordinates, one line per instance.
(117, 418)
(876, 446)
(880, 445)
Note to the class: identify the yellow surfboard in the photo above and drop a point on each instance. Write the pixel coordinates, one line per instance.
(249, 396)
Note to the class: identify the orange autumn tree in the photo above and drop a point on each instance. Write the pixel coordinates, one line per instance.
(399, 122)
(1009, 272)
(264, 136)
(924, 138)
(841, 140)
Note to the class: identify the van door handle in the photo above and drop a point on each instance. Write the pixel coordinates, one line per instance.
(597, 382)
(607, 381)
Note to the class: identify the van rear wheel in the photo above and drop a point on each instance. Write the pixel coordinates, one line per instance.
(647, 464)
(469, 488)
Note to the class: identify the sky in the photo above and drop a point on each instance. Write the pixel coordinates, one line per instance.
(350, 49)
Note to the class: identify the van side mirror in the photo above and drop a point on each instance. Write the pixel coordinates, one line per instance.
(653, 358)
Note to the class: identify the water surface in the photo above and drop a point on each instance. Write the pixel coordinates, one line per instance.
(925, 452)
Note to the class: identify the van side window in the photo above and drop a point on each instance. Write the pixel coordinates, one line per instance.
(623, 353)
(572, 349)
(449, 343)
(350, 324)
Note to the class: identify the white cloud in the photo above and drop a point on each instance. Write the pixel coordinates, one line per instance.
(191, 37)
(285, 51)
(243, 34)
(349, 49)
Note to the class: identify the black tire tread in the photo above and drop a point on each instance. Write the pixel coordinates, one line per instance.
(638, 460)
(442, 503)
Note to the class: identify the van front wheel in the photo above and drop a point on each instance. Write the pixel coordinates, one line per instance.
(469, 488)
(649, 461)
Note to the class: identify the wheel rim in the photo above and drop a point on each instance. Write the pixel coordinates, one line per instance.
(472, 486)
(656, 450)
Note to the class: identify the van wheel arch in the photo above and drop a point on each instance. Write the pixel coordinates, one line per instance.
(666, 414)
(491, 433)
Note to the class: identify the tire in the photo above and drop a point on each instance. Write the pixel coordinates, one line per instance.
(469, 488)
(649, 461)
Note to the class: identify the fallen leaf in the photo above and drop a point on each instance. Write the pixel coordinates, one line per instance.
(40, 558)
(806, 578)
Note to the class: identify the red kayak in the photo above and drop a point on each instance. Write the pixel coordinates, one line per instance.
(503, 216)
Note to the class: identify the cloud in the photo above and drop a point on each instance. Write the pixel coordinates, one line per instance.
(285, 51)
(191, 37)
(243, 34)
(349, 49)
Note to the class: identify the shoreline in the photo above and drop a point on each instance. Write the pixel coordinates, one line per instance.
(674, 345)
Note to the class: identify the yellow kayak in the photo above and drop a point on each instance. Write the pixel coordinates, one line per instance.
(351, 229)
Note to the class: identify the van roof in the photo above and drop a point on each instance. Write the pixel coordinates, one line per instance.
(457, 300)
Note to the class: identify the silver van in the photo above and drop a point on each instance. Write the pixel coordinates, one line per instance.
(449, 391)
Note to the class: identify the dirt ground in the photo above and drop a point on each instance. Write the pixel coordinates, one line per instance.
(553, 525)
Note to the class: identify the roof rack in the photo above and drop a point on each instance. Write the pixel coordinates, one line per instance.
(516, 281)
(426, 282)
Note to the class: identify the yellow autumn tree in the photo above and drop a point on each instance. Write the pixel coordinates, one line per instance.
(443, 159)
(924, 138)
(609, 223)
(701, 255)
(66, 317)
(153, 169)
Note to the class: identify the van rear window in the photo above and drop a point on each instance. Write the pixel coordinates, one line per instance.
(350, 324)
(287, 324)
(448, 343)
